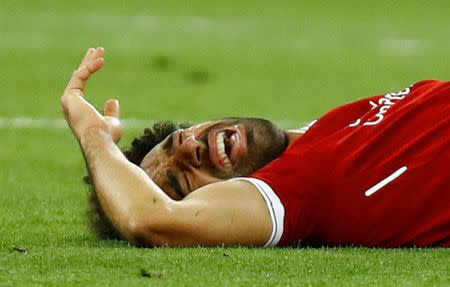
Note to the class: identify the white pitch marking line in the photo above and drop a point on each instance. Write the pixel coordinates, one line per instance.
(385, 181)
(27, 122)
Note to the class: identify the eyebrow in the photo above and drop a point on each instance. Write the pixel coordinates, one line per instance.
(173, 180)
(169, 143)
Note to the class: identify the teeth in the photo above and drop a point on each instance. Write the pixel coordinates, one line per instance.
(221, 150)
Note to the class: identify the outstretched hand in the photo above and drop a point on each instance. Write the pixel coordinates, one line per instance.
(81, 116)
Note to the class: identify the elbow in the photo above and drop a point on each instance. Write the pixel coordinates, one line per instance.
(144, 231)
(138, 232)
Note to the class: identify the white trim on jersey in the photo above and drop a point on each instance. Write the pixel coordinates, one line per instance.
(275, 207)
(307, 127)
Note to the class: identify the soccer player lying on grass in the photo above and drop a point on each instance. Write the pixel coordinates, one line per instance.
(370, 173)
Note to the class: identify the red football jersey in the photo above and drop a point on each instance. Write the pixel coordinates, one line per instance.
(375, 172)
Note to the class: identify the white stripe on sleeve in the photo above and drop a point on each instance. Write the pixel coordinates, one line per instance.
(275, 207)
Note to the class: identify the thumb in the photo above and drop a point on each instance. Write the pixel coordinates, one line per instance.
(112, 108)
(114, 128)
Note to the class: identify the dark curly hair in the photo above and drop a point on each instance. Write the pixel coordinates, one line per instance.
(99, 222)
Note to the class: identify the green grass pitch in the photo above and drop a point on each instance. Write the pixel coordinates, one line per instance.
(287, 61)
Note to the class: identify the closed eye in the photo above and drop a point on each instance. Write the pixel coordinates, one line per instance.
(197, 153)
(188, 184)
(173, 181)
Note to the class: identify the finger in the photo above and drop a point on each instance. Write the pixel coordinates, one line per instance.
(87, 57)
(99, 52)
(91, 55)
(112, 108)
(80, 76)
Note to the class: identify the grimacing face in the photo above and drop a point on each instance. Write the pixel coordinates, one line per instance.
(212, 151)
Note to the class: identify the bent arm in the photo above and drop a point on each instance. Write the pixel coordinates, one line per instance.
(226, 213)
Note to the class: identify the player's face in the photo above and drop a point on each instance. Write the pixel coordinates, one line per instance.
(212, 151)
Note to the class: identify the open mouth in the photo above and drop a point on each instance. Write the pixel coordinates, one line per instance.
(227, 147)
(224, 149)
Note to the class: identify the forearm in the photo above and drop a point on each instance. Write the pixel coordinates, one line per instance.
(125, 192)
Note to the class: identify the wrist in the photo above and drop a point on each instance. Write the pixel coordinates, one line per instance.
(94, 139)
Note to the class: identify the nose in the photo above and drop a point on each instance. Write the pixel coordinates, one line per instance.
(188, 151)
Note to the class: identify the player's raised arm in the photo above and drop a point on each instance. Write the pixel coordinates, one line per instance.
(222, 213)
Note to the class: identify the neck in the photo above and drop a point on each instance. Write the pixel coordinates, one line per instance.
(292, 135)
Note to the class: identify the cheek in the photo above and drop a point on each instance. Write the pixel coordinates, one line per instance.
(153, 173)
(149, 165)
(154, 166)
(251, 164)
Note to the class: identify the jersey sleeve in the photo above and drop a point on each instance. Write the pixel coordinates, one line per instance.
(274, 206)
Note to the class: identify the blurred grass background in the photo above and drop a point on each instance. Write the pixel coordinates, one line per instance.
(288, 61)
(197, 60)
